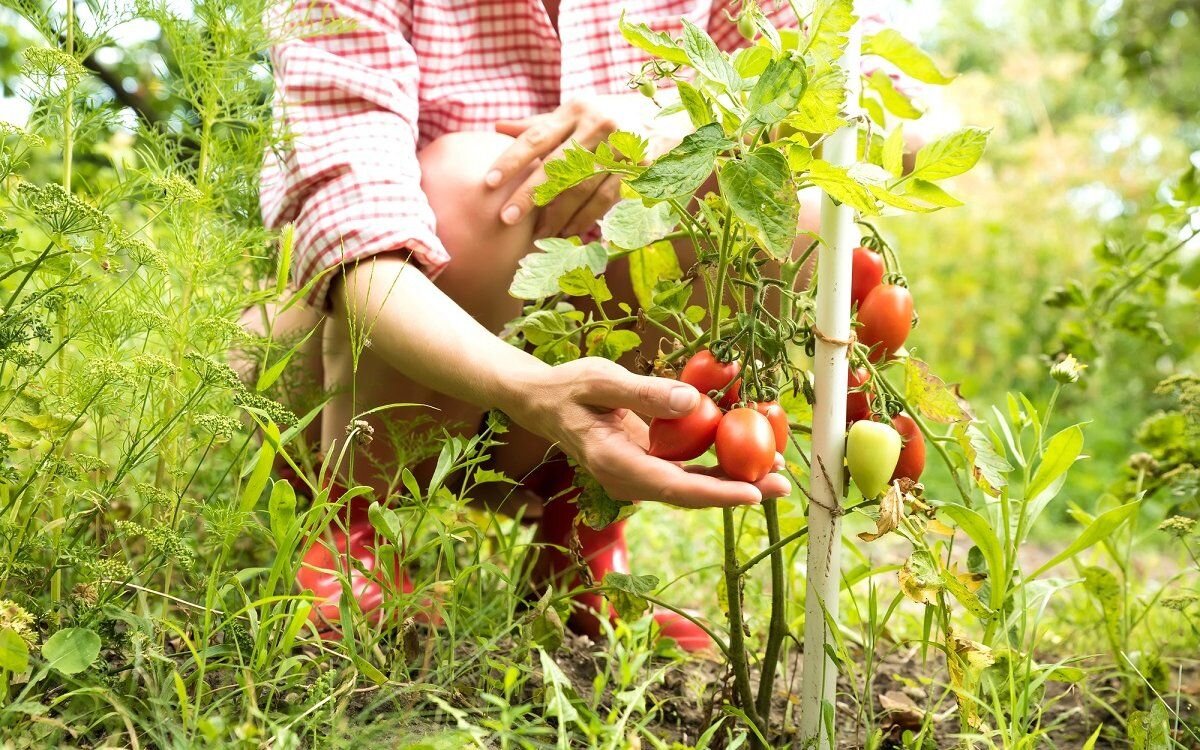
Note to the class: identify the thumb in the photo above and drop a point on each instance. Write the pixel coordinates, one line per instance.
(614, 387)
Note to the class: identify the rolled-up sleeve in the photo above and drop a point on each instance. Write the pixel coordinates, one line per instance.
(347, 175)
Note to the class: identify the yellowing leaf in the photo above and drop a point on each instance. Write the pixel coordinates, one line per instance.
(891, 513)
(929, 394)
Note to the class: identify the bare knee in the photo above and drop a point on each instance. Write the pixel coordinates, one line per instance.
(453, 168)
(484, 251)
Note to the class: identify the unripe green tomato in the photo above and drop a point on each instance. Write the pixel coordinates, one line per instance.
(872, 451)
(648, 89)
(746, 28)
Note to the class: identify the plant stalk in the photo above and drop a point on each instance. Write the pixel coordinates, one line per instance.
(777, 629)
(737, 635)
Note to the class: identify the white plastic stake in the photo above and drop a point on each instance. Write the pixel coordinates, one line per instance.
(830, 366)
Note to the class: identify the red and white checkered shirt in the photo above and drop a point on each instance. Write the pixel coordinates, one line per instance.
(361, 97)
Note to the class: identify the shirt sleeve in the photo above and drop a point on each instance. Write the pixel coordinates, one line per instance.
(347, 174)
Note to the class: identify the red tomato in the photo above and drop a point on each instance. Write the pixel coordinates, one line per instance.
(867, 274)
(688, 436)
(886, 318)
(745, 445)
(706, 374)
(912, 454)
(778, 419)
(858, 399)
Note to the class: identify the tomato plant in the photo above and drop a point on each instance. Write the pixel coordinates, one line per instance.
(687, 437)
(886, 317)
(745, 445)
(740, 323)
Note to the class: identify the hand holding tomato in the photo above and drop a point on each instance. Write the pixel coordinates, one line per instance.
(590, 408)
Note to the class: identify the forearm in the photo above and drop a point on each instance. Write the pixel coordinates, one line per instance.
(429, 338)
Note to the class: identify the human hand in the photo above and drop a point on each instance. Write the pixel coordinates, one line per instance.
(588, 408)
(543, 138)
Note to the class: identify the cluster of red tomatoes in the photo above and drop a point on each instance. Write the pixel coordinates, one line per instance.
(879, 454)
(747, 437)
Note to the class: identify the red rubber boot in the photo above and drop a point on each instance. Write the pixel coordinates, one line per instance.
(605, 551)
(327, 555)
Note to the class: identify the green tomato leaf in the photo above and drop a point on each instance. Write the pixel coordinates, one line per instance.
(751, 61)
(988, 467)
(538, 273)
(632, 224)
(843, 188)
(544, 326)
(777, 91)
(612, 344)
(920, 579)
(626, 593)
(681, 171)
(546, 626)
(827, 27)
(1150, 730)
(650, 266)
(931, 193)
(14, 652)
(707, 58)
(819, 108)
(759, 189)
(905, 55)
(888, 198)
(657, 43)
(576, 165)
(895, 102)
(71, 650)
(581, 282)
(929, 394)
(557, 352)
(630, 145)
(950, 156)
(597, 508)
(697, 106)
